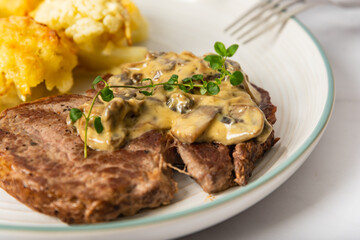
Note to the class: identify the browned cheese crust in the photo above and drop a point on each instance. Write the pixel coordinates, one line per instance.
(42, 165)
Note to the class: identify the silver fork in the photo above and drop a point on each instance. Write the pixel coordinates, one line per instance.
(267, 14)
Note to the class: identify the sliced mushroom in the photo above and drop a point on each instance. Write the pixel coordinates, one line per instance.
(116, 119)
(242, 123)
(154, 54)
(137, 77)
(255, 95)
(180, 102)
(114, 113)
(227, 120)
(169, 65)
(232, 65)
(117, 112)
(117, 139)
(121, 79)
(265, 133)
(249, 122)
(189, 127)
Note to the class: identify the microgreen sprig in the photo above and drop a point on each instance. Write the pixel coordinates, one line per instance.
(75, 114)
(216, 61)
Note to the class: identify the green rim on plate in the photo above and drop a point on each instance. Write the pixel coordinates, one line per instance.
(251, 186)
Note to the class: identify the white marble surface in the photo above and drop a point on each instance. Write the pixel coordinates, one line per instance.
(322, 199)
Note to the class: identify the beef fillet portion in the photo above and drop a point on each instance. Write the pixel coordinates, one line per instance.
(42, 165)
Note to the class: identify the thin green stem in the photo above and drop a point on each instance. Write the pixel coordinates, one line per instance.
(87, 119)
(85, 140)
(106, 84)
(92, 104)
(154, 85)
(223, 70)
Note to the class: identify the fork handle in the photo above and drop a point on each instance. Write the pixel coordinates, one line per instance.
(346, 3)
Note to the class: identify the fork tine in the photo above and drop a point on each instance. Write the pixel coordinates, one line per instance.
(283, 18)
(247, 13)
(269, 6)
(276, 11)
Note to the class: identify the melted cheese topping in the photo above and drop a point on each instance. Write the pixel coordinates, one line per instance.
(230, 117)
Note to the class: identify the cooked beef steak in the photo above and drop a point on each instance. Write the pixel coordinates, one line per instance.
(211, 165)
(42, 165)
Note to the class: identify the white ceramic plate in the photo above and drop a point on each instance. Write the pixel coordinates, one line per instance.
(292, 68)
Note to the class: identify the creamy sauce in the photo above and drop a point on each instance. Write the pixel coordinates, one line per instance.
(230, 117)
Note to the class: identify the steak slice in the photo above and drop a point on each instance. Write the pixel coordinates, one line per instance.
(209, 164)
(42, 165)
(217, 167)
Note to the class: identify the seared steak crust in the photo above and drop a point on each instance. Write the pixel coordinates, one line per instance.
(42, 165)
(211, 165)
(245, 154)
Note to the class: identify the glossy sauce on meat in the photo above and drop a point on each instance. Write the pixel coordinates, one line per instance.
(230, 117)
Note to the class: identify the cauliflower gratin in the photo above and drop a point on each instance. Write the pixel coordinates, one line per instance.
(101, 29)
(17, 7)
(41, 47)
(32, 53)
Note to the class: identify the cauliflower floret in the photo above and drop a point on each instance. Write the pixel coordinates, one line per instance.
(101, 29)
(32, 53)
(17, 7)
(138, 25)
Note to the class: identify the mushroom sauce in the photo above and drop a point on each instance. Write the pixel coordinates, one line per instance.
(232, 116)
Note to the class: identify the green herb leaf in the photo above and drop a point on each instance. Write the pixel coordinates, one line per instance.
(203, 91)
(215, 65)
(146, 93)
(212, 88)
(218, 81)
(75, 114)
(183, 88)
(204, 83)
(186, 80)
(190, 81)
(173, 79)
(168, 87)
(98, 125)
(107, 94)
(191, 84)
(230, 51)
(220, 49)
(96, 81)
(236, 78)
(213, 58)
(215, 61)
(198, 77)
